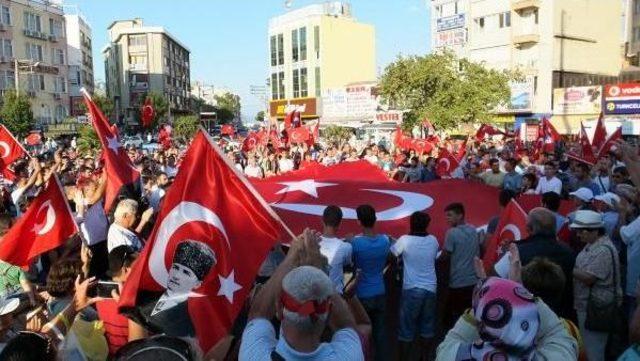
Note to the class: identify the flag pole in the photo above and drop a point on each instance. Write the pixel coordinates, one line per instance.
(246, 182)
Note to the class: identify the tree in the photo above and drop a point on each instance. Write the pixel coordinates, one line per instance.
(103, 102)
(88, 139)
(337, 134)
(186, 126)
(16, 113)
(228, 105)
(160, 106)
(446, 90)
(260, 116)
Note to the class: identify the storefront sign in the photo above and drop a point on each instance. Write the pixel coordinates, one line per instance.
(359, 101)
(450, 22)
(577, 100)
(451, 38)
(389, 117)
(521, 100)
(306, 106)
(622, 98)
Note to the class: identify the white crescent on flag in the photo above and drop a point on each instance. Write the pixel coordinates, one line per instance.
(50, 219)
(447, 162)
(513, 229)
(6, 150)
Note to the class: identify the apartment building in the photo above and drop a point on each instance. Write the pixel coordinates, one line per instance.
(33, 56)
(140, 59)
(552, 43)
(79, 50)
(313, 49)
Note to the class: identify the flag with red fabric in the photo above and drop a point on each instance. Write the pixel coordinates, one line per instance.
(48, 223)
(548, 136)
(10, 151)
(250, 142)
(486, 129)
(430, 129)
(288, 119)
(600, 134)
(587, 149)
(609, 143)
(421, 146)
(296, 120)
(211, 236)
(447, 163)
(120, 171)
(512, 226)
(228, 129)
(298, 135)
(147, 113)
(462, 151)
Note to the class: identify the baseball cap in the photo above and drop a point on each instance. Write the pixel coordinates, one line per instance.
(8, 305)
(584, 194)
(609, 198)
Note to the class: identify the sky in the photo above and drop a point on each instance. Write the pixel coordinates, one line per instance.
(228, 38)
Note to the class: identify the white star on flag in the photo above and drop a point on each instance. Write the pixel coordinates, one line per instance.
(113, 144)
(228, 286)
(308, 186)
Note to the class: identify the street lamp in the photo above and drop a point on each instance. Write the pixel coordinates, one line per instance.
(17, 67)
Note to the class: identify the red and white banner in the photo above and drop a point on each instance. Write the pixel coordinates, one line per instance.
(511, 227)
(10, 151)
(447, 163)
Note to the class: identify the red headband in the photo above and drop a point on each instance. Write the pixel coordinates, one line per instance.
(309, 308)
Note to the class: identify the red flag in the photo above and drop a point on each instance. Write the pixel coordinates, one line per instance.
(315, 135)
(120, 171)
(210, 238)
(297, 119)
(587, 150)
(34, 138)
(228, 129)
(10, 149)
(47, 224)
(600, 134)
(421, 146)
(398, 138)
(250, 142)
(147, 113)
(549, 136)
(274, 137)
(288, 120)
(447, 163)
(511, 227)
(462, 151)
(164, 137)
(610, 142)
(426, 123)
(298, 135)
(486, 129)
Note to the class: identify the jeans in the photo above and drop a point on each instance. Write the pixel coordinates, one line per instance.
(595, 343)
(375, 307)
(417, 314)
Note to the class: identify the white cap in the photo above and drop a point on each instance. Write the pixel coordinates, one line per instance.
(587, 219)
(609, 198)
(8, 305)
(584, 194)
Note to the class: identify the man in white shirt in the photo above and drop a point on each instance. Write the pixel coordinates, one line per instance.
(124, 218)
(285, 163)
(253, 170)
(337, 251)
(549, 183)
(419, 251)
(170, 169)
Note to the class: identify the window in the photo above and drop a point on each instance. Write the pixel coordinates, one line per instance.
(137, 40)
(296, 83)
(535, 85)
(304, 91)
(281, 85)
(60, 84)
(280, 49)
(316, 41)
(58, 56)
(55, 27)
(505, 20)
(32, 21)
(456, 7)
(7, 79)
(318, 84)
(535, 15)
(33, 52)
(274, 51)
(636, 7)
(274, 86)
(61, 113)
(303, 43)
(439, 10)
(137, 59)
(294, 45)
(5, 16)
(479, 23)
(36, 82)
(6, 48)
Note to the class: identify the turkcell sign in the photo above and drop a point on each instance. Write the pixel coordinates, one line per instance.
(450, 22)
(622, 98)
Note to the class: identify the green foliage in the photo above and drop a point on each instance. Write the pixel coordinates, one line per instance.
(447, 90)
(185, 126)
(88, 140)
(16, 113)
(228, 107)
(103, 102)
(160, 106)
(337, 134)
(260, 116)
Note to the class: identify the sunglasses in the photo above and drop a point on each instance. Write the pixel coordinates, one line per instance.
(581, 230)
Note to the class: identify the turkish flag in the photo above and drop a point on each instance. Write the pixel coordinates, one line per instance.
(250, 142)
(610, 142)
(486, 129)
(288, 119)
(587, 149)
(300, 198)
(10, 149)
(120, 170)
(297, 119)
(447, 163)
(462, 151)
(511, 227)
(147, 113)
(360, 170)
(298, 135)
(421, 146)
(548, 136)
(227, 129)
(275, 139)
(47, 224)
(211, 236)
(600, 134)
(34, 139)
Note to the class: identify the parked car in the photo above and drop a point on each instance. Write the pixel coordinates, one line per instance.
(133, 141)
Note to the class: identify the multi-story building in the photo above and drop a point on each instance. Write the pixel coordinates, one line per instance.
(552, 43)
(33, 56)
(315, 48)
(79, 50)
(203, 91)
(140, 59)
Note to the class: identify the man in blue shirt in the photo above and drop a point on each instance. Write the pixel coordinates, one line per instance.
(370, 254)
(512, 179)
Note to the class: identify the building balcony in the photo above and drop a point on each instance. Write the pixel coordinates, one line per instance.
(35, 34)
(137, 48)
(520, 5)
(527, 37)
(137, 67)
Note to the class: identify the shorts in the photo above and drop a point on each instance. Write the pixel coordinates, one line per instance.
(417, 314)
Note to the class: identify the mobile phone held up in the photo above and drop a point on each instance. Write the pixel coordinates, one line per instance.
(103, 289)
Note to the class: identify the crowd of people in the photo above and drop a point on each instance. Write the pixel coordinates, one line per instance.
(568, 291)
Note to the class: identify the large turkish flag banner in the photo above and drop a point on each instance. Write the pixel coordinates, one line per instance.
(300, 199)
(47, 224)
(210, 238)
(511, 227)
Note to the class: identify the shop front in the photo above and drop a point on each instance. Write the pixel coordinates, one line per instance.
(572, 106)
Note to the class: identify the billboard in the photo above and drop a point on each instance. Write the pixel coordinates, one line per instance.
(577, 100)
(622, 98)
(450, 22)
(306, 106)
(521, 100)
(357, 101)
(451, 38)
